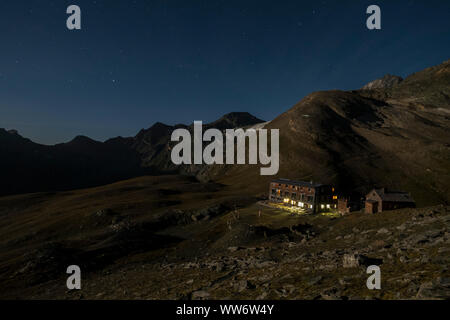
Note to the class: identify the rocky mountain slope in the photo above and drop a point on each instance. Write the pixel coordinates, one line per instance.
(392, 133)
(154, 144)
(426, 89)
(210, 234)
(172, 237)
(387, 81)
(397, 137)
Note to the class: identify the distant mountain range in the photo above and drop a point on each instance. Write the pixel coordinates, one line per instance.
(392, 133)
(31, 167)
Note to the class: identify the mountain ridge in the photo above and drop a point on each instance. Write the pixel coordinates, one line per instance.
(85, 162)
(360, 139)
(396, 136)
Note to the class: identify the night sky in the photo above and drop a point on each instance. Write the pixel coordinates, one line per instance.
(138, 62)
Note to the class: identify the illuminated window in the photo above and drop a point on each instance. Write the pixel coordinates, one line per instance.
(334, 197)
(328, 206)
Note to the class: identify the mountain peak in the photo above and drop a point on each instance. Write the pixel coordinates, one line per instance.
(387, 81)
(235, 120)
(81, 140)
(11, 131)
(158, 125)
(14, 132)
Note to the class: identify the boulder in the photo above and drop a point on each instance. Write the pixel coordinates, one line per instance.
(436, 289)
(200, 294)
(383, 231)
(355, 260)
(244, 285)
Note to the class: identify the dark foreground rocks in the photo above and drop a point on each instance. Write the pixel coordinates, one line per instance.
(247, 258)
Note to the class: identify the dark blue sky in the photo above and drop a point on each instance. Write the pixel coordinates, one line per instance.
(138, 62)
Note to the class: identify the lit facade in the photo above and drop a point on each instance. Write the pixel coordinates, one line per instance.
(313, 197)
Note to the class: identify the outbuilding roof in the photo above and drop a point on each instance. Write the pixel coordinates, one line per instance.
(298, 183)
(394, 196)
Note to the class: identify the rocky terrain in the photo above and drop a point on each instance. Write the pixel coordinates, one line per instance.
(388, 81)
(221, 249)
(208, 234)
(355, 140)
